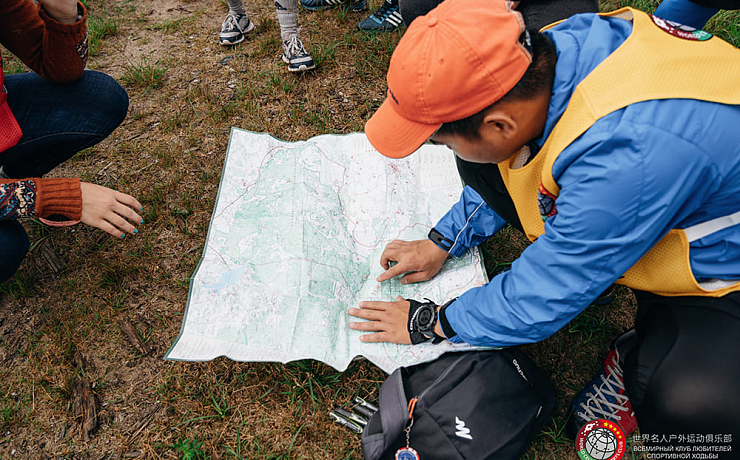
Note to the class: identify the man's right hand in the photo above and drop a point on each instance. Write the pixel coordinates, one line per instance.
(419, 260)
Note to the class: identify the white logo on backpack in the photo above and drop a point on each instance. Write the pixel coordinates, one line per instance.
(462, 430)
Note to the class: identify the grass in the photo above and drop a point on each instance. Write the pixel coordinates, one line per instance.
(144, 75)
(186, 92)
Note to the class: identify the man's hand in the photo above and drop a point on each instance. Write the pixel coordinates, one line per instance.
(108, 209)
(420, 260)
(64, 11)
(387, 319)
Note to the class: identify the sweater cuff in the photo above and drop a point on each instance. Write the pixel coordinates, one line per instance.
(58, 196)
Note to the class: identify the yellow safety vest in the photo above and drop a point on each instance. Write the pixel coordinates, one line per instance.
(650, 64)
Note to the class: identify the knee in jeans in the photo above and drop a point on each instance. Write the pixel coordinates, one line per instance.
(113, 98)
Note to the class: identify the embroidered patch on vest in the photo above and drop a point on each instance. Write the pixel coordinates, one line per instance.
(680, 30)
(546, 202)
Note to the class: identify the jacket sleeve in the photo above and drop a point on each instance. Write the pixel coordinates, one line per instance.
(40, 198)
(53, 50)
(469, 223)
(620, 194)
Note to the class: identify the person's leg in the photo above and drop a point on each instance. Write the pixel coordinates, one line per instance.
(287, 13)
(685, 12)
(719, 4)
(682, 376)
(319, 5)
(59, 119)
(294, 53)
(236, 24)
(14, 245)
(537, 13)
(412, 9)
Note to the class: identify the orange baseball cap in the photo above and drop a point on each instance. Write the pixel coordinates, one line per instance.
(458, 59)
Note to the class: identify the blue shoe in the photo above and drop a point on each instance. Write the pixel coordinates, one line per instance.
(318, 5)
(387, 18)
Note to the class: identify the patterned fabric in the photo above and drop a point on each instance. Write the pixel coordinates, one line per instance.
(17, 199)
(82, 49)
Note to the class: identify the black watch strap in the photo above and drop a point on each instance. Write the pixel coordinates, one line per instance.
(443, 323)
(439, 239)
(420, 324)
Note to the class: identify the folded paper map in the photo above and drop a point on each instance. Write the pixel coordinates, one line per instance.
(295, 241)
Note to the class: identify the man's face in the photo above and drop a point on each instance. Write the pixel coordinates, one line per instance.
(485, 149)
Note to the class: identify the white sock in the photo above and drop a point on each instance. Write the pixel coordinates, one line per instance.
(287, 13)
(236, 7)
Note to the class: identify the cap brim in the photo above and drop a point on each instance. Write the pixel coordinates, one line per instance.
(393, 135)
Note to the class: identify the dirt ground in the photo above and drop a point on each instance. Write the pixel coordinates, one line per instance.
(85, 323)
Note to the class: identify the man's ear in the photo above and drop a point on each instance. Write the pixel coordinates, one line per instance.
(500, 123)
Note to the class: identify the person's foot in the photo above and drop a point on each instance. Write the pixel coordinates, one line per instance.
(296, 56)
(604, 397)
(387, 18)
(233, 29)
(318, 5)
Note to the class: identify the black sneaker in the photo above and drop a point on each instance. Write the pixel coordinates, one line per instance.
(233, 29)
(387, 18)
(318, 5)
(295, 55)
(604, 397)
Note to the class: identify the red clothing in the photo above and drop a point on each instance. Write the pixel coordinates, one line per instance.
(54, 51)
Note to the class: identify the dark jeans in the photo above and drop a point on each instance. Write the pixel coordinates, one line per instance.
(57, 120)
(537, 13)
(683, 377)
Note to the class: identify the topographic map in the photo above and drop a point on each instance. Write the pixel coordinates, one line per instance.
(295, 241)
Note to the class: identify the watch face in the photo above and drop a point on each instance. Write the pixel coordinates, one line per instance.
(425, 317)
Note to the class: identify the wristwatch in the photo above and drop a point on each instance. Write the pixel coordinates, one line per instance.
(422, 319)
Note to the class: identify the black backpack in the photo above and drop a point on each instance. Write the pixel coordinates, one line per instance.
(469, 405)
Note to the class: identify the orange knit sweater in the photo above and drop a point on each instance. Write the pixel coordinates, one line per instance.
(56, 52)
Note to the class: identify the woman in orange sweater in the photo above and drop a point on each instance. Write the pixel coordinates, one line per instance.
(48, 115)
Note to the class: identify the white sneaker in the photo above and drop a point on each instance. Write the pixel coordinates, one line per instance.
(233, 29)
(295, 55)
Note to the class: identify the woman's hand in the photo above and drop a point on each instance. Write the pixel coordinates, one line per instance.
(64, 11)
(109, 210)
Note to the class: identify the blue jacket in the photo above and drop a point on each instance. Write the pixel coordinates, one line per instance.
(633, 176)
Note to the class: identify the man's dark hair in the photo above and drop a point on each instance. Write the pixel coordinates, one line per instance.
(537, 79)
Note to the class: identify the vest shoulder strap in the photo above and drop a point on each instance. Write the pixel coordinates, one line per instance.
(655, 62)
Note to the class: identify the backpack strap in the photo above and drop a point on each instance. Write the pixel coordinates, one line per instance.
(393, 417)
